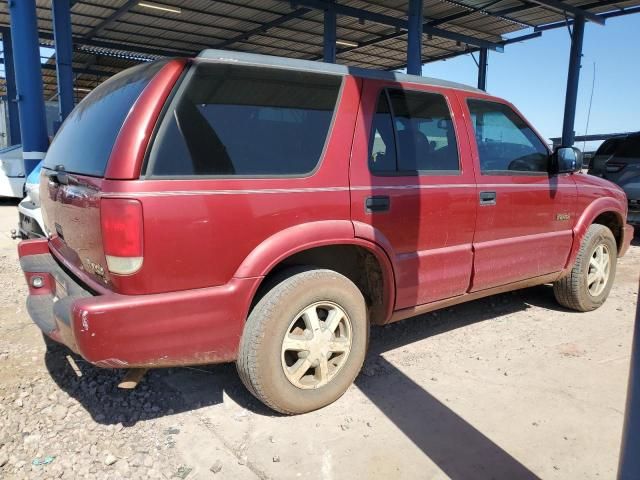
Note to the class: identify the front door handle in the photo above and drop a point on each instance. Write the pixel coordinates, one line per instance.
(488, 198)
(377, 203)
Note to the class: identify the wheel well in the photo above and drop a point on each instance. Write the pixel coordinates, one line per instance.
(613, 223)
(354, 262)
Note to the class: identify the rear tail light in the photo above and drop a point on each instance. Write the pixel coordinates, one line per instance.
(614, 167)
(122, 234)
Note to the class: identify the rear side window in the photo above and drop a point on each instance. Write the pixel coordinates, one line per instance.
(506, 144)
(413, 133)
(84, 142)
(237, 120)
(382, 148)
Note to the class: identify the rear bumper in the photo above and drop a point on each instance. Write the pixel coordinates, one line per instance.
(627, 236)
(111, 330)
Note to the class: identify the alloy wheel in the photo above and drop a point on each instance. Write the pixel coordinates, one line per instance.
(599, 268)
(316, 345)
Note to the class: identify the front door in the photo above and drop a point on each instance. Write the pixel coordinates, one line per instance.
(413, 189)
(525, 215)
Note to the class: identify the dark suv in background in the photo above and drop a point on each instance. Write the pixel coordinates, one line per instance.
(618, 160)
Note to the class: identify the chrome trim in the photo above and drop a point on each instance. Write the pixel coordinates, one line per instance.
(327, 189)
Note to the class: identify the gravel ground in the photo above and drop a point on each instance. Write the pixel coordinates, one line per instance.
(507, 387)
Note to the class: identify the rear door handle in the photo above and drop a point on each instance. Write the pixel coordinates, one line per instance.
(377, 203)
(488, 198)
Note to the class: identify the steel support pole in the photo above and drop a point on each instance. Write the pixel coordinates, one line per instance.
(330, 35)
(482, 69)
(33, 123)
(64, 56)
(629, 467)
(13, 137)
(414, 38)
(573, 80)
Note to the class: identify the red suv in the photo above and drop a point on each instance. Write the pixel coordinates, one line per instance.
(238, 207)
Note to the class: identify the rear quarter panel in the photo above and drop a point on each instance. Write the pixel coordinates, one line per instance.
(197, 232)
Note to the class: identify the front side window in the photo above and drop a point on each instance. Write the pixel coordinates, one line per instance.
(246, 121)
(506, 144)
(413, 133)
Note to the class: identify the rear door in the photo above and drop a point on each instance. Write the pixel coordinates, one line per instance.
(525, 215)
(412, 188)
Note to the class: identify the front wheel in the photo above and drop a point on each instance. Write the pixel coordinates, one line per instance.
(305, 341)
(588, 284)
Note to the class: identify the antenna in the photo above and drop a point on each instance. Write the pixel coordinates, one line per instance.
(593, 84)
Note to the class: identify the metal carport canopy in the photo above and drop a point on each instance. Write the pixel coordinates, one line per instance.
(369, 33)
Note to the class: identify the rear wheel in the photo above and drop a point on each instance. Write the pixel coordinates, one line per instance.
(588, 284)
(304, 341)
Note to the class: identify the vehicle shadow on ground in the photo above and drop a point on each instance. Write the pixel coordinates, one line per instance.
(162, 392)
(457, 447)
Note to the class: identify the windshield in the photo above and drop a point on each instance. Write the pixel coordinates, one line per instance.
(84, 142)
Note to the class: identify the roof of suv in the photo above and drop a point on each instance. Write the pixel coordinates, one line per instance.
(226, 56)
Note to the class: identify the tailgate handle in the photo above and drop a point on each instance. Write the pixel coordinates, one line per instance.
(487, 198)
(377, 203)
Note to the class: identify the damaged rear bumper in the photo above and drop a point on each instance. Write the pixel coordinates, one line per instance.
(112, 330)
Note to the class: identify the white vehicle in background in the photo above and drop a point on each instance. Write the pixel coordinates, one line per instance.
(13, 184)
(11, 172)
(30, 222)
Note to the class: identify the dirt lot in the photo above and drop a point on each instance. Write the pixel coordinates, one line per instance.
(508, 387)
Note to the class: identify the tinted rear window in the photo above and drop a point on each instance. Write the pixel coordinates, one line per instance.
(630, 148)
(84, 142)
(609, 146)
(240, 120)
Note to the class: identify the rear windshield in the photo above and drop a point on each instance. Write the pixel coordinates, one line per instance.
(231, 120)
(84, 142)
(630, 148)
(609, 146)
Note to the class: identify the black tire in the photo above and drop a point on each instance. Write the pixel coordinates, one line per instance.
(572, 290)
(259, 358)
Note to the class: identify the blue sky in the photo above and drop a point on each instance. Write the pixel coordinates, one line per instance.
(533, 76)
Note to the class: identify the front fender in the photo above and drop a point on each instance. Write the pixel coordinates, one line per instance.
(594, 209)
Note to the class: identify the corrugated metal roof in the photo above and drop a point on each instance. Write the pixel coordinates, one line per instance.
(105, 44)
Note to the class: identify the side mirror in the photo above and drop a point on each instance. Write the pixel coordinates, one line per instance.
(566, 160)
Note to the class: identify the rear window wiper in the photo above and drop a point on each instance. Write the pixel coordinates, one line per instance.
(59, 175)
